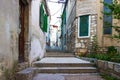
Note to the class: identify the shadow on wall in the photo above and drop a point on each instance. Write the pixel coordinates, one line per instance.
(37, 51)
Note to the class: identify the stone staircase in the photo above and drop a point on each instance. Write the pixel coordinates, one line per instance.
(57, 63)
(64, 67)
(59, 54)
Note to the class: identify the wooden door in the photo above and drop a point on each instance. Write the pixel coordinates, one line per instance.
(21, 35)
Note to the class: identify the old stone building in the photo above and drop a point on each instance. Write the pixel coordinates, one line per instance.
(86, 23)
(77, 37)
(22, 39)
(83, 26)
(103, 33)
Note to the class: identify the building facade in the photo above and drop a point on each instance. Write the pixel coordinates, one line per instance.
(83, 28)
(21, 37)
(39, 26)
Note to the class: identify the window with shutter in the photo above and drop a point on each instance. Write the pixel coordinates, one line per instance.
(41, 17)
(83, 26)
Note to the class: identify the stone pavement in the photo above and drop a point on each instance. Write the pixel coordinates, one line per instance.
(85, 76)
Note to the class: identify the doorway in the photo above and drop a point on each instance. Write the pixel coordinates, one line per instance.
(21, 35)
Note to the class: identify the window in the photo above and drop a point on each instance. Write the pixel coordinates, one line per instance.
(107, 20)
(83, 26)
(41, 19)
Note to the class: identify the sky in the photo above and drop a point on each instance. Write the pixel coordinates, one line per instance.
(56, 10)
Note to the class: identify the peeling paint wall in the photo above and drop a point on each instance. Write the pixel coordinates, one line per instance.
(37, 36)
(9, 30)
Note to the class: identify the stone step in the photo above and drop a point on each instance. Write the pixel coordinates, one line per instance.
(26, 74)
(64, 64)
(59, 54)
(66, 70)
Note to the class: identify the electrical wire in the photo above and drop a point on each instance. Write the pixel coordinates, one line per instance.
(57, 11)
(52, 1)
(56, 1)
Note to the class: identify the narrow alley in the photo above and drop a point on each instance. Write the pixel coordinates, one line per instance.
(60, 40)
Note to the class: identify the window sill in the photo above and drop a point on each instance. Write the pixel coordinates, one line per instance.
(84, 37)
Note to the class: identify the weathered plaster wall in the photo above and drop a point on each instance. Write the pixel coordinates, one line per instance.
(37, 36)
(9, 30)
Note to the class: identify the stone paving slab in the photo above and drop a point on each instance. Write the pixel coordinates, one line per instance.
(83, 77)
(87, 76)
(49, 77)
(61, 60)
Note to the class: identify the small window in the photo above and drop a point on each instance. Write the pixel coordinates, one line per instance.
(83, 26)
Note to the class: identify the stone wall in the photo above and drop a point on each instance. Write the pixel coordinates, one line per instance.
(106, 67)
(110, 68)
(71, 38)
(67, 29)
(70, 26)
(85, 7)
(92, 8)
(83, 44)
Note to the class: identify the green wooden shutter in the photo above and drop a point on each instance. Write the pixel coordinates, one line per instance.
(41, 17)
(45, 23)
(84, 26)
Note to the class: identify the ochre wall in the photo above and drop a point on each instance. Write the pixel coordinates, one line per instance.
(104, 40)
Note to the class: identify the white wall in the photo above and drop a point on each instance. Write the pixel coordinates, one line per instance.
(9, 27)
(37, 37)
